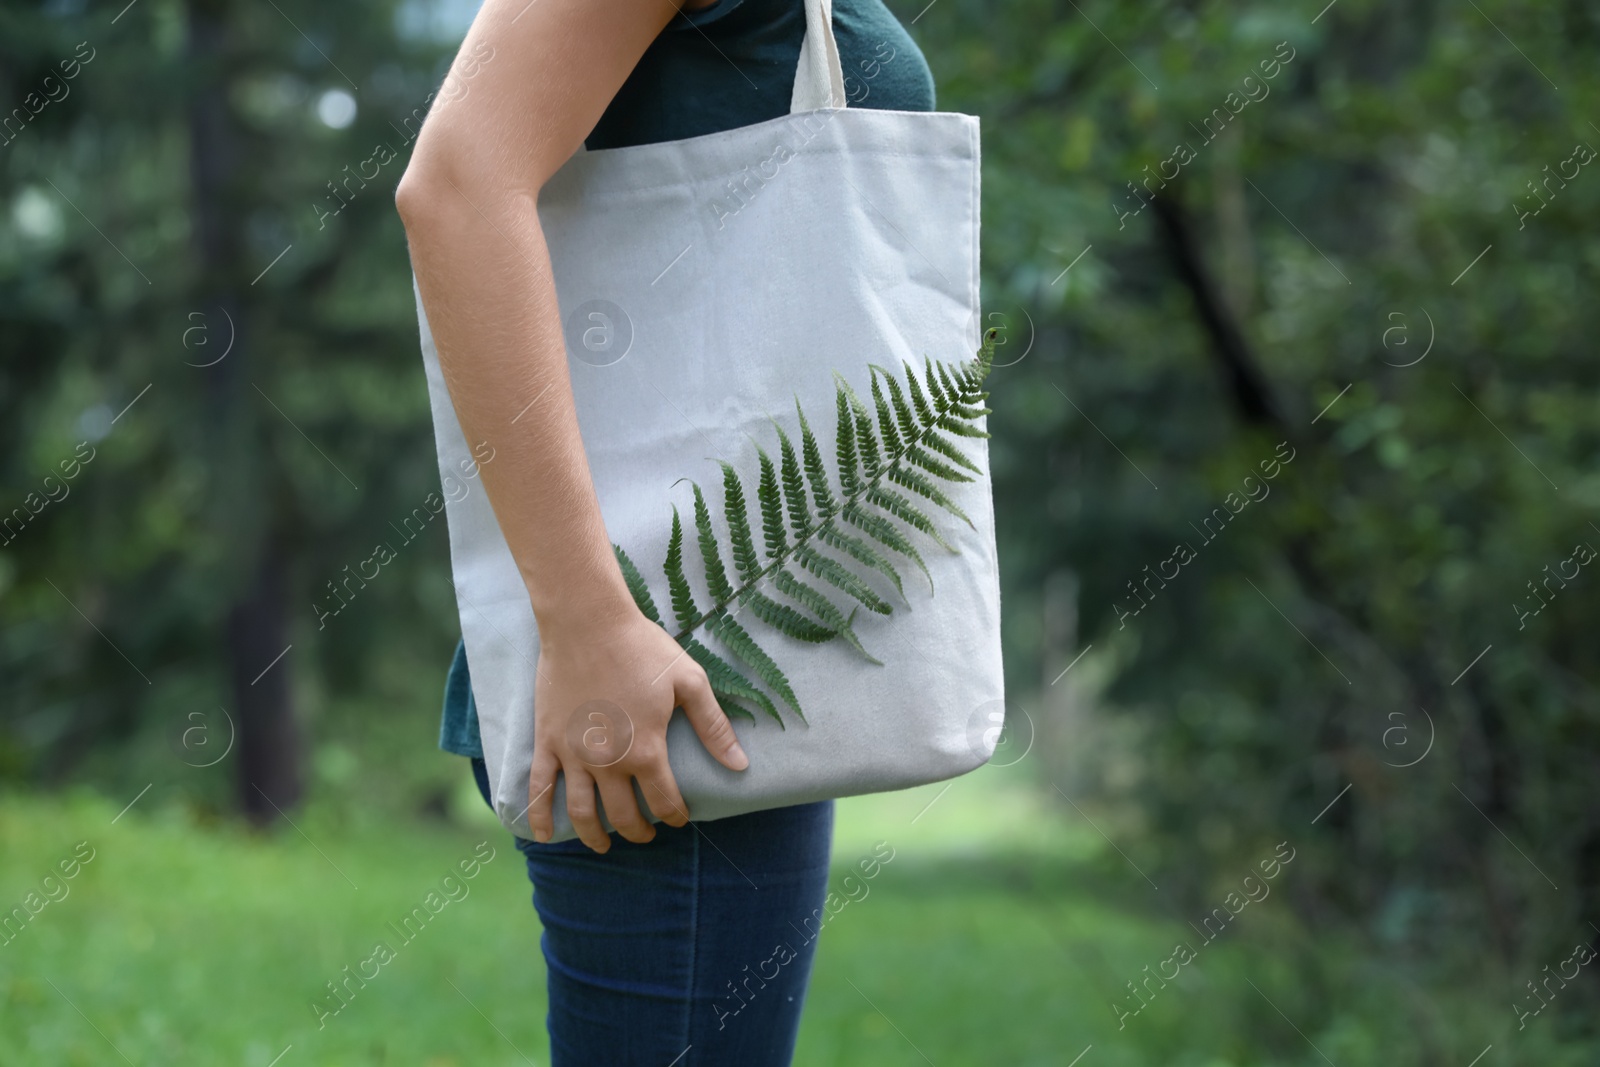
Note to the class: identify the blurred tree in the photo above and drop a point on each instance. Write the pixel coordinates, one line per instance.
(203, 281)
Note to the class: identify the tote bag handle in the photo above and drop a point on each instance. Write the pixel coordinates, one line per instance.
(819, 79)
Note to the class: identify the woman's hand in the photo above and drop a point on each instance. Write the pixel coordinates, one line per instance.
(602, 700)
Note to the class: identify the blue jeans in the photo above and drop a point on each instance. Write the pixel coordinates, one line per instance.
(689, 951)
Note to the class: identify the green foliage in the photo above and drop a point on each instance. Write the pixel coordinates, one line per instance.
(1336, 220)
(911, 434)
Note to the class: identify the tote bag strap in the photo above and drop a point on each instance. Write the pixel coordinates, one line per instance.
(819, 79)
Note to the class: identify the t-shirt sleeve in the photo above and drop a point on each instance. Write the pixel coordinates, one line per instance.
(690, 20)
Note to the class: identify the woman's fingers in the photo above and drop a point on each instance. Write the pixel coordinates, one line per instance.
(622, 808)
(582, 808)
(541, 790)
(661, 793)
(709, 721)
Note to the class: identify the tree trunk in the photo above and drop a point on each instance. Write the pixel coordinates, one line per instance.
(270, 778)
(1247, 385)
(269, 751)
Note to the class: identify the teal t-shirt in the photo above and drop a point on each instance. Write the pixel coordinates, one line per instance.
(724, 66)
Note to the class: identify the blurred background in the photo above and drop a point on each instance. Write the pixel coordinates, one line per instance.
(1296, 431)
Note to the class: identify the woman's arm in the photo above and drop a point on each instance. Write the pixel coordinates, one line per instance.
(469, 200)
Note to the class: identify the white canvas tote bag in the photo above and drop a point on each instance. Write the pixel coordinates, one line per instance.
(705, 284)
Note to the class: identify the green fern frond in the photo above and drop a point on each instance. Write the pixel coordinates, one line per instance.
(919, 402)
(866, 438)
(716, 576)
(745, 560)
(904, 418)
(861, 552)
(967, 411)
(956, 426)
(947, 448)
(930, 380)
(905, 511)
(771, 508)
(683, 605)
(842, 578)
(916, 482)
(736, 638)
(906, 438)
(728, 685)
(816, 473)
(783, 618)
(849, 477)
(926, 460)
(823, 608)
(794, 486)
(886, 423)
(636, 587)
(885, 532)
(972, 380)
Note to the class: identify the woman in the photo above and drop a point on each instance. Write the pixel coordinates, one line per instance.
(650, 933)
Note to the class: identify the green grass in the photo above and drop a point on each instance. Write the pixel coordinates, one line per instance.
(998, 935)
